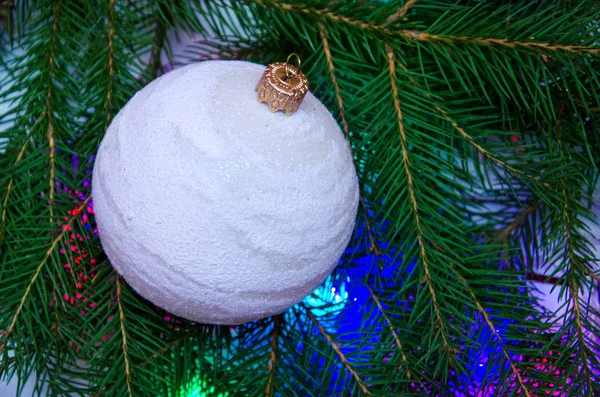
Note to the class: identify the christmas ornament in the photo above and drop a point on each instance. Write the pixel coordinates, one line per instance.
(215, 208)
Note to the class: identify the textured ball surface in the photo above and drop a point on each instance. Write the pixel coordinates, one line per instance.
(216, 209)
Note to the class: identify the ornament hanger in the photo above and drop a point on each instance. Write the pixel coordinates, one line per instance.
(289, 69)
(283, 86)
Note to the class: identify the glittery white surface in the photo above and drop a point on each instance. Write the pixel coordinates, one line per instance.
(216, 209)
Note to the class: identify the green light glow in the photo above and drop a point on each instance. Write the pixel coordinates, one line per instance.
(198, 387)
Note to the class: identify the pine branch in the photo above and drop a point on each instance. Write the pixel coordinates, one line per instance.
(338, 351)
(495, 333)
(386, 33)
(451, 76)
(479, 148)
(401, 12)
(391, 328)
(427, 279)
(572, 253)
(38, 271)
(338, 96)
(574, 288)
(490, 41)
(323, 34)
(519, 219)
(155, 62)
(50, 129)
(123, 333)
(167, 347)
(9, 188)
(110, 64)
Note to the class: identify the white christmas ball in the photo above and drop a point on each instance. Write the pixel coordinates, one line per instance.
(216, 209)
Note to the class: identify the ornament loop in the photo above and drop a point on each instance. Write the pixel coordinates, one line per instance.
(294, 70)
(282, 86)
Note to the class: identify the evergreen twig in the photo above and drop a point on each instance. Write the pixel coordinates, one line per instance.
(338, 351)
(36, 274)
(427, 279)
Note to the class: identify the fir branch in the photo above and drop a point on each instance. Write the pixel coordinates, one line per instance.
(465, 135)
(581, 334)
(490, 41)
(573, 265)
(386, 33)
(323, 34)
(338, 96)
(123, 334)
(39, 268)
(50, 129)
(110, 63)
(574, 288)
(9, 188)
(591, 274)
(401, 12)
(518, 220)
(323, 14)
(480, 148)
(412, 196)
(336, 348)
(273, 357)
(155, 62)
(167, 347)
(495, 333)
(391, 328)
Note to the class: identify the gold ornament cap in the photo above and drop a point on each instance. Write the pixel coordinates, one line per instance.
(282, 86)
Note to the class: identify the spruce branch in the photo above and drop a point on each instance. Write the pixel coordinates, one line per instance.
(110, 63)
(574, 293)
(338, 351)
(323, 34)
(490, 41)
(323, 14)
(465, 135)
(175, 342)
(155, 63)
(518, 220)
(36, 274)
(49, 115)
(387, 33)
(338, 96)
(494, 332)
(574, 264)
(457, 74)
(401, 11)
(9, 188)
(123, 333)
(391, 328)
(427, 280)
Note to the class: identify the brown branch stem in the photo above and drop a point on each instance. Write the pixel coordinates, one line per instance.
(323, 33)
(494, 332)
(401, 12)
(123, 335)
(519, 219)
(9, 188)
(110, 65)
(391, 327)
(50, 128)
(338, 351)
(412, 195)
(273, 357)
